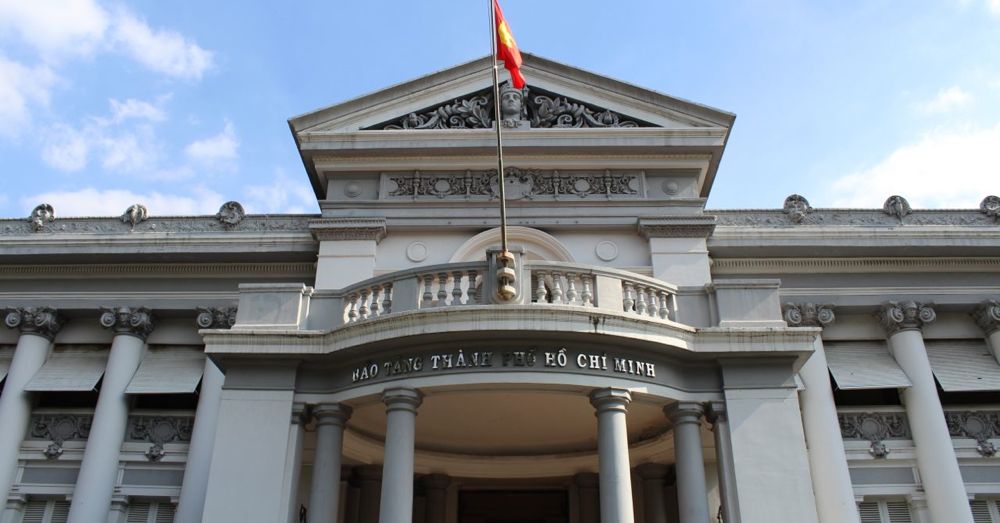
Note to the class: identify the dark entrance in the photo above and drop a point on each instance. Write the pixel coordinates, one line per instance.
(513, 506)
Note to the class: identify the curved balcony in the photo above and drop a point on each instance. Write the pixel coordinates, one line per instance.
(542, 284)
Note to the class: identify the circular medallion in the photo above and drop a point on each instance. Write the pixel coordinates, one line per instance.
(416, 252)
(606, 250)
(352, 189)
(671, 187)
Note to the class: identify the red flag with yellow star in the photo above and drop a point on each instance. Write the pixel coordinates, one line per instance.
(507, 48)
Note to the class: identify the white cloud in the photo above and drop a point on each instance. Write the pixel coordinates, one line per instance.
(994, 6)
(55, 27)
(113, 202)
(215, 150)
(284, 195)
(163, 50)
(946, 168)
(132, 108)
(21, 87)
(946, 100)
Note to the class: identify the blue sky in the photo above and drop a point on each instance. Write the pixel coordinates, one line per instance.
(182, 105)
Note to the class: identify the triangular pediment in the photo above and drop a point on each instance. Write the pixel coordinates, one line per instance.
(557, 96)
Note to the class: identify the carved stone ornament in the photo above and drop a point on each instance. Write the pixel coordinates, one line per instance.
(979, 425)
(807, 314)
(518, 184)
(41, 215)
(43, 321)
(990, 206)
(357, 228)
(897, 206)
(125, 320)
(906, 315)
(230, 214)
(216, 318)
(797, 208)
(159, 430)
(874, 427)
(518, 109)
(59, 428)
(135, 214)
(987, 316)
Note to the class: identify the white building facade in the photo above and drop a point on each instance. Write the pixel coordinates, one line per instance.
(657, 363)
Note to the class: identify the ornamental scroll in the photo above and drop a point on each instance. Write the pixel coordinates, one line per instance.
(519, 184)
(538, 109)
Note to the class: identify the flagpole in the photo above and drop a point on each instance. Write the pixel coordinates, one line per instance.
(497, 122)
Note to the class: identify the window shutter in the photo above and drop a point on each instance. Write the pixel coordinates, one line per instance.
(34, 511)
(899, 512)
(138, 512)
(869, 512)
(981, 511)
(60, 511)
(164, 512)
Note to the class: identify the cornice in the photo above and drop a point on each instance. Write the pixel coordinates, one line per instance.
(778, 218)
(157, 270)
(360, 228)
(254, 223)
(677, 226)
(884, 264)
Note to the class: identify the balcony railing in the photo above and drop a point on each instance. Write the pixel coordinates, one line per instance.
(542, 284)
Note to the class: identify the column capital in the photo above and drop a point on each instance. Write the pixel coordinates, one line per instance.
(684, 412)
(402, 399)
(129, 321)
(807, 314)
(653, 471)
(715, 411)
(906, 315)
(435, 481)
(300, 414)
(40, 321)
(586, 479)
(216, 317)
(987, 316)
(331, 414)
(610, 399)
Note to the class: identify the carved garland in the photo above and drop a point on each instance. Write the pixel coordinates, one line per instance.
(159, 430)
(979, 425)
(874, 427)
(59, 428)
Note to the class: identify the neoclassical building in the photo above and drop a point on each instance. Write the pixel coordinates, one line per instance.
(657, 362)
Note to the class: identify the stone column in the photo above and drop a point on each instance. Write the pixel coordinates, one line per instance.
(987, 315)
(199, 460)
(436, 495)
(724, 456)
(831, 478)
(99, 468)
(38, 327)
(396, 505)
(654, 477)
(692, 495)
(612, 449)
(587, 494)
(369, 481)
(936, 460)
(324, 494)
(293, 461)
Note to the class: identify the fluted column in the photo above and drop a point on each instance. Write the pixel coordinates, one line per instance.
(396, 504)
(369, 481)
(654, 477)
(324, 494)
(724, 456)
(436, 496)
(195, 484)
(987, 315)
(936, 460)
(612, 449)
(99, 468)
(692, 494)
(38, 328)
(587, 495)
(831, 478)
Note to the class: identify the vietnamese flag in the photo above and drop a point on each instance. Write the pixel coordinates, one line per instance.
(507, 48)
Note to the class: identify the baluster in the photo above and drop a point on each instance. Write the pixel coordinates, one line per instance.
(363, 309)
(456, 289)
(387, 298)
(352, 311)
(376, 292)
(473, 292)
(571, 288)
(629, 300)
(664, 309)
(640, 307)
(557, 293)
(541, 294)
(654, 302)
(588, 293)
(427, 297)
(442, 290)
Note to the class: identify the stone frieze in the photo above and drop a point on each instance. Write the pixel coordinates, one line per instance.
(519, 184)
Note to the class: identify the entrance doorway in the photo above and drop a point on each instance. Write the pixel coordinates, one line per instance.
(513, 506)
